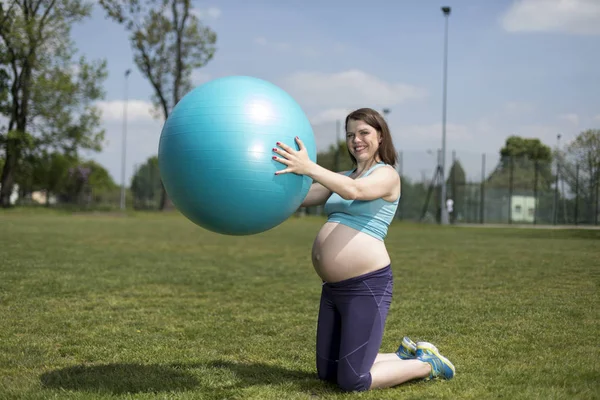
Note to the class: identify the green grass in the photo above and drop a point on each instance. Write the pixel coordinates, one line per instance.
(149, 306)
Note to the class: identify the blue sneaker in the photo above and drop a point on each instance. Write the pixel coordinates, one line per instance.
(441, 367)
(407, 349)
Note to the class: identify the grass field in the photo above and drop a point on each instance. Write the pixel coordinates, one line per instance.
(149, 306)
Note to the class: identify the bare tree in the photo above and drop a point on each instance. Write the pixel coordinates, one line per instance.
(169, 42)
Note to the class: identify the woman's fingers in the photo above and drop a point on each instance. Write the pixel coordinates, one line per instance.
(283, 171)
(285, 147)
(281, 152)
(281, 160)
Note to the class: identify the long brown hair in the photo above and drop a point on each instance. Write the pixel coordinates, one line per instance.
(387, 152)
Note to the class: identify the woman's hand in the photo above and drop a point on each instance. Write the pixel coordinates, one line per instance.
(296, 161)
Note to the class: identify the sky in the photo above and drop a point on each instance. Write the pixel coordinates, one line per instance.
(515, 67)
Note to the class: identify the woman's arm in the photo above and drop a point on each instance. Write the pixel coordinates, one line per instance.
(380, 183)
(317, 195)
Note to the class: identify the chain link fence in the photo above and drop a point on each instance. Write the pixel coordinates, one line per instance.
(481, 189)
(487, 188)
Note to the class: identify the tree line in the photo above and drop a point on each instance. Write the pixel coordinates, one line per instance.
(526, 167)
(48, 93)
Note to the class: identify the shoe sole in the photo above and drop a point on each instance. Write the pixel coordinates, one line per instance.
(409, 344)
(427, 346)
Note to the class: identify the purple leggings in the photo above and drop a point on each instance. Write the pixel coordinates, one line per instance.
(350, 328)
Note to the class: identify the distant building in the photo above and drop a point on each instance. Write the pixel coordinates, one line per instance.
(37, 197)
(502, 207)
(523, 208)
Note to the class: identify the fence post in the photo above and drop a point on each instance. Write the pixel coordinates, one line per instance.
(535, 193)
(336, 158)
(597, 192)
(482, 195)
(577, 194)
(510, 188)
(400, 166)
(453, 180)
(555, 210)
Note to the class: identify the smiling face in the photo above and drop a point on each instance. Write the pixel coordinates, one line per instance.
(363, 140)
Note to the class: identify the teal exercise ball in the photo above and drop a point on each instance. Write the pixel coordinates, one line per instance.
(215, 155)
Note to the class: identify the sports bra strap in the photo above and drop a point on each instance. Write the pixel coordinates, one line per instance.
(379, 164)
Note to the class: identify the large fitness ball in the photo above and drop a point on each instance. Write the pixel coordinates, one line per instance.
(215, 155)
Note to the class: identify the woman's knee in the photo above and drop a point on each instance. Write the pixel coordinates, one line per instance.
(327, 371)
(327, 375)
(350, 382)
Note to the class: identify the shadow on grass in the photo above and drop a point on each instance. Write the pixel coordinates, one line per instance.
(138, 378)
(120, 378)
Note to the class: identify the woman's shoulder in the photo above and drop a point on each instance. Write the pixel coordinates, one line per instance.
(387, 172)
(383, 168)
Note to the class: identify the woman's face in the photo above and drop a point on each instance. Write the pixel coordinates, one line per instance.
(362, 140)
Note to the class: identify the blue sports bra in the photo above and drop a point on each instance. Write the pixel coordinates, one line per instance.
(369, 216)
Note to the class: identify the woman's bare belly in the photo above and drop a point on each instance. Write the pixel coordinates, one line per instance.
(340, 252)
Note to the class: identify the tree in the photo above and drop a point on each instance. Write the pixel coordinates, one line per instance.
(168, 42)
(50, 103)
(84, 182)
(457, 181)
(522, 161)
(335, 159)
(50, 171)
(146, 184)
(519, 147)
(4, 87)
(580, 167)
(456, 175)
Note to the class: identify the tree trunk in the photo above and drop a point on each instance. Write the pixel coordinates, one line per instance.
(8, 172)
(165, 201)
(18, 120)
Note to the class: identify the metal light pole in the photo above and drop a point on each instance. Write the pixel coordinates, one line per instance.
(338, 139)
(555, 205)
(444, 210)
(124, 149)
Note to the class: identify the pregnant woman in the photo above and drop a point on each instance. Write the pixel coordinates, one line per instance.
(350, 257)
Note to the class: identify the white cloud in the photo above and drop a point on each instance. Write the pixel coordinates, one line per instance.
(143, 134)
(308, 49)
(329, 115)
(261, 41)
(199, 77)
(207, 13)
(433, 133)
(348, 89)
(280, 46)
(570, 117)
(137, 110)
(569, 16)
(597, 117)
